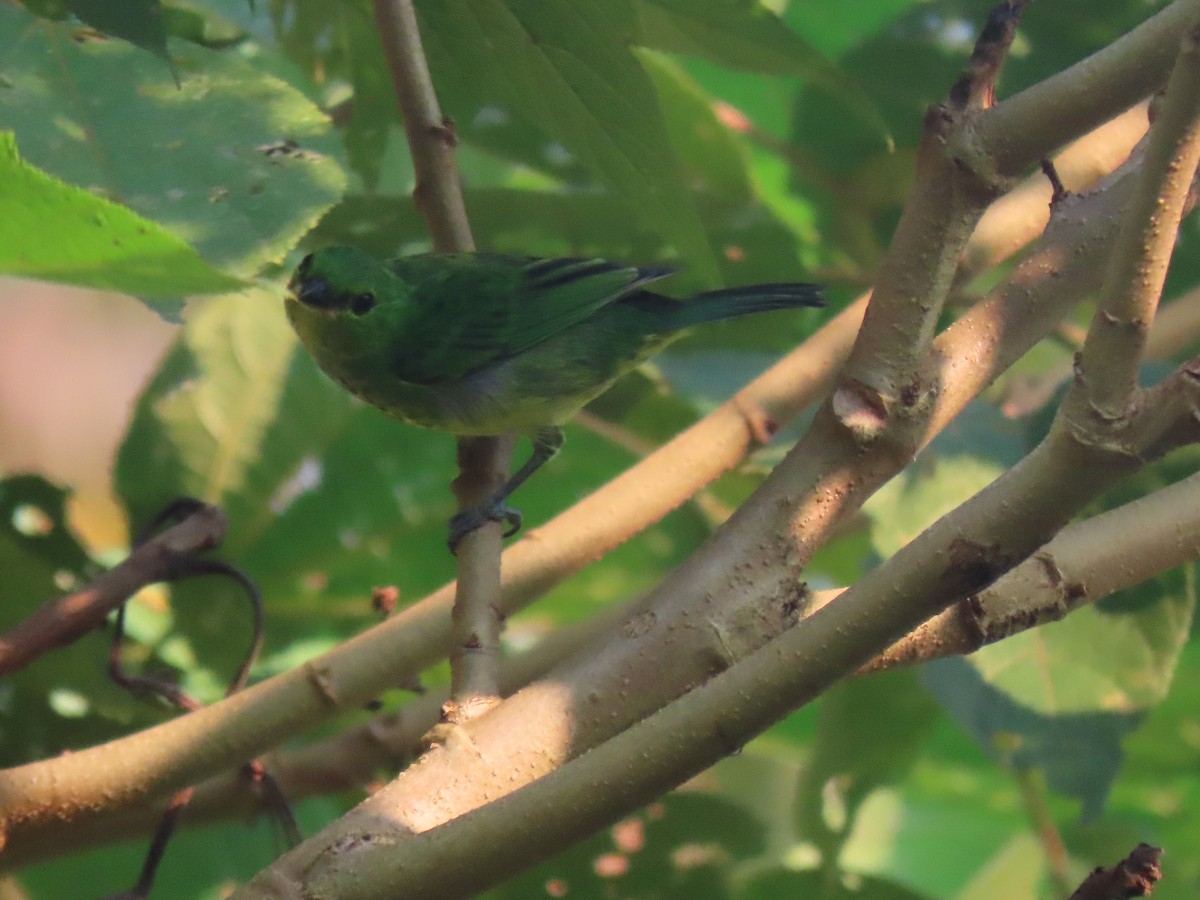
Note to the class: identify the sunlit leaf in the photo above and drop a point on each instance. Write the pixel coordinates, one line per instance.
(233, 161)
(57, 232)
(567, 66)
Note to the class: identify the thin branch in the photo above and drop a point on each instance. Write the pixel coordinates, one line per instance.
(68, 618)
(341, 762)
(431, 138)
(1107, 376)
(483, 462)
(1085, 562)
(476, 620)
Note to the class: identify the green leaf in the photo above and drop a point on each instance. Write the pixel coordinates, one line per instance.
(229, 417)
(140, 22)
(749, 37)
(566, 65)
(771, 884)
(201, 26)
(1084, 680)
(1117, 655)
(1017, 870)
(1079, 753)
(374, 104)
(910, 503)
(201, 864)
(833, 29)
(869, 733)
(507, 220)
(234, 161)
(201, 425)
(58, 232)
(713, 160)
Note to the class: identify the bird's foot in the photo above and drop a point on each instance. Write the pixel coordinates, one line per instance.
(491, 510)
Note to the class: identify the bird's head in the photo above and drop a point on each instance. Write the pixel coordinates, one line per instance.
(347, 308)
(342, 280)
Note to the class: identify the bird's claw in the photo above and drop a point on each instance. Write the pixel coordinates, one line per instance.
(464, 522)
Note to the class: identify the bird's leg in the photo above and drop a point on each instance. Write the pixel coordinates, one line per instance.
(546, 444)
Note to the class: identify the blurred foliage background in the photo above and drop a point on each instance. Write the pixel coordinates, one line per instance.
(741, 142)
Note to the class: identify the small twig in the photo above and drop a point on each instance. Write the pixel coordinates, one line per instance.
(68, 618)
(976, 86)
(1059, 191)
(1032, 786)
(1134, 876)
(476, 619)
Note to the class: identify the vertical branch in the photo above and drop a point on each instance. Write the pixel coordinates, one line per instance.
(881, 393)
(483, 462)
(431, 137)
(1107, 367)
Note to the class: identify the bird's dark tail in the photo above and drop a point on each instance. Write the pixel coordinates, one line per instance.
(728, 303)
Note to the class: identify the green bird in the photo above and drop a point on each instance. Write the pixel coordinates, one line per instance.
(483, 344)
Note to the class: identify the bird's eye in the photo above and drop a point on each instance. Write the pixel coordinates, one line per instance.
(362, 303)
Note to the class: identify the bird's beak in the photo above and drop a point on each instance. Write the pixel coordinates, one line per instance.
(311, 291)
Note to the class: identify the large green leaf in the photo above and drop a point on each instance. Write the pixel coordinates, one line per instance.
(141, 22)
(869, 733)
(1079, 753)
(748, 36)
(58, 232)
(218, 415)
(567, 66)
(235, 162)
(1085, 680)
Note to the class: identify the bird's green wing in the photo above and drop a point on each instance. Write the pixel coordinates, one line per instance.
(476, 309)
